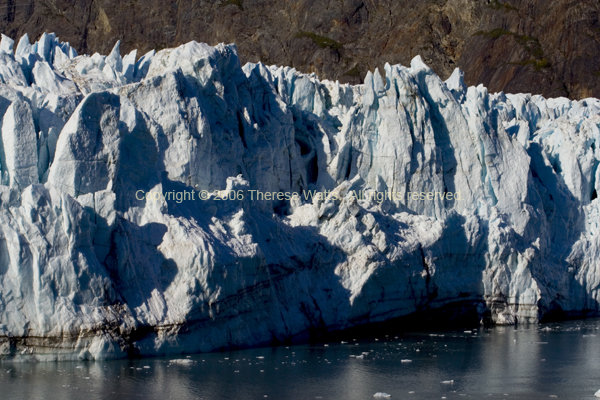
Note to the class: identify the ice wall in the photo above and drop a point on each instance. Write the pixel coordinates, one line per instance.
(502, 216)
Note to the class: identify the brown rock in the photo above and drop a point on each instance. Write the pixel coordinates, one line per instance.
(536, 46)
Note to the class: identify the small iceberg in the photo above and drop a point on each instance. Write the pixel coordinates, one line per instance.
(183, 361)
(597, 394)
(381, 395)
(448, 382)
(405, 361)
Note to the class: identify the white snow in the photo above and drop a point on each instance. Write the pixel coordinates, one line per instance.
(86, 264)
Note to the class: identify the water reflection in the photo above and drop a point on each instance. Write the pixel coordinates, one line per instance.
(533, 362)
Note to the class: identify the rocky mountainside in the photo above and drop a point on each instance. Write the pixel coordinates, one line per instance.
(527, 46)
(132, 220)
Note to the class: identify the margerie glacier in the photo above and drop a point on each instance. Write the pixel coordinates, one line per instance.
(88, 271)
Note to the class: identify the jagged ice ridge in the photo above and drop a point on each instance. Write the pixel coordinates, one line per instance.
(89, 271)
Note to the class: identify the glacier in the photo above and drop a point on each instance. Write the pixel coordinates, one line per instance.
(91, 270)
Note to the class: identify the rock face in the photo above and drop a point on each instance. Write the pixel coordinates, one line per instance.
(528, 46)
(186, 203)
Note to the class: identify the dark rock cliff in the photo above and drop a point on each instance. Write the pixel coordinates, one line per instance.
(547, 47)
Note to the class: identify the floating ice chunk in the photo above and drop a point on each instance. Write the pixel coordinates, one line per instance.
(183, 361)
(597, 394)
(448, 382)
(382, 395)
(406, 361)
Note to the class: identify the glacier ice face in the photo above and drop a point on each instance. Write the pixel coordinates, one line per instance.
(92, 268)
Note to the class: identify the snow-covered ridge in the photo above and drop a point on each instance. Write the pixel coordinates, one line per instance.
(89, 271)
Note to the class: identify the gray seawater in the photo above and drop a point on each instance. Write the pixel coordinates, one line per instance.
(559, 360)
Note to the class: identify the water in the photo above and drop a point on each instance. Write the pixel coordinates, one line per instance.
(535, 362)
